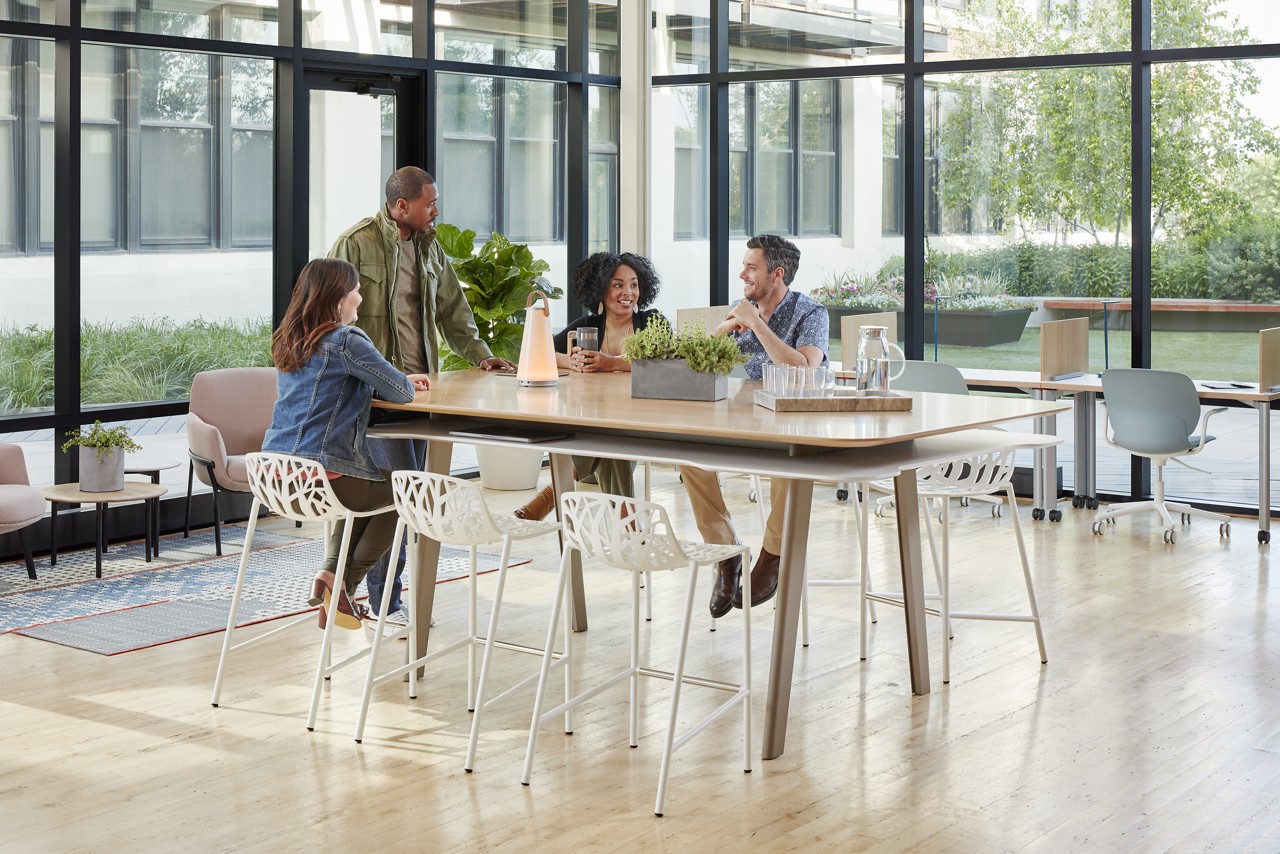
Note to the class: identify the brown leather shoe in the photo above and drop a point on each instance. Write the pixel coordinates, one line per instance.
(539, 506)
(764, 580)
(728, 573)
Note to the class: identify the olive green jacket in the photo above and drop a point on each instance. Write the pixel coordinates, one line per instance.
(372, 246)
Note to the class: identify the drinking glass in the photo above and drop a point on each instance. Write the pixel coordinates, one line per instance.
(588, 338)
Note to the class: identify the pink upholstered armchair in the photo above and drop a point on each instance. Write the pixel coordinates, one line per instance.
(21, 504)
(228, 418)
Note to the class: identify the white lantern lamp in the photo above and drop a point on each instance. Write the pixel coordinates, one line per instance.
(537, 351)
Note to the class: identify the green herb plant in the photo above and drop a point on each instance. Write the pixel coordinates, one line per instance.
(705, 353)
(102, 439)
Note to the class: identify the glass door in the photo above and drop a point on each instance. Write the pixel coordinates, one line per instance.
(360, 131)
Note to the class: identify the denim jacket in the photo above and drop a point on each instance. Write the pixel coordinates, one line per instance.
(322, 411)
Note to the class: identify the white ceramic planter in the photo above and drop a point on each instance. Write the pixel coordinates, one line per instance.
(510, 468)
(106, 475)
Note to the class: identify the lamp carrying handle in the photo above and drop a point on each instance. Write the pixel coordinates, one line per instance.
(546, 306)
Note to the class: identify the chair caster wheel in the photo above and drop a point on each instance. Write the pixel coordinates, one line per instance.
(1224, 530)
(751, 496)
(1186, 518)
(964, 502)
(997, 510)
(1077, 502)
(1170, 536)
(1097, 528)
(1091, 503)
(1264, 536)
(1037, 513)
(1055, 515)
(842, 495)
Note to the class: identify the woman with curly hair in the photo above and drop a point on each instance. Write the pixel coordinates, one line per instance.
(621, 287)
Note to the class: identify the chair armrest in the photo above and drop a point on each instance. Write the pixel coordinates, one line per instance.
(205, 441)
(1107, 433)
(1202, 429)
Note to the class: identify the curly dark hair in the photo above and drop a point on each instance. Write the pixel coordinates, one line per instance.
(591, 278)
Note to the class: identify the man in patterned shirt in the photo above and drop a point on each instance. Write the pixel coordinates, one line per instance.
(772, 324)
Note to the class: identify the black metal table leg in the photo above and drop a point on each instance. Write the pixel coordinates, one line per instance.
(100, 538)
(53, 533)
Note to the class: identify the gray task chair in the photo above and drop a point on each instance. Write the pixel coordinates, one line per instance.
(1157, 415)
(230, 412)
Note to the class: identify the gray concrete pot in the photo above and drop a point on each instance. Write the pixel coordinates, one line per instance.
(671, 379)
(104, 476)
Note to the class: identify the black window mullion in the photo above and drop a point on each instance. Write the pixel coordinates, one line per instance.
(914, 178)
(797, 156)
(220, 114)
(66, 251)
(26, 201)
(129, 109)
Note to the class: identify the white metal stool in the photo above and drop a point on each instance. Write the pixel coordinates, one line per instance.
(971, 477)
(296, 489)
(636, 536)
(452, 512)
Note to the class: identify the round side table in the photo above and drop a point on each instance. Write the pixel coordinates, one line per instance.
(151, 467)
(70, 493)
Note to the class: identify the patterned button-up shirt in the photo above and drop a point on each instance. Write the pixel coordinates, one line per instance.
(799, 321)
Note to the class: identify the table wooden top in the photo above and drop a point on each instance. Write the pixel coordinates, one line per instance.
(604, 402)
(70, 493)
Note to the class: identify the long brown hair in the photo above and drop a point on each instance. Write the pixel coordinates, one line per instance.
(312, 312)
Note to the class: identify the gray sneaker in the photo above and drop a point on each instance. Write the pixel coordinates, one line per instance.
(397, 620)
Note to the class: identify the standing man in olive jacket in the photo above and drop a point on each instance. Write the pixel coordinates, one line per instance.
(411, 294)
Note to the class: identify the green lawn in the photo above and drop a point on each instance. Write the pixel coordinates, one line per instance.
(1202, 355)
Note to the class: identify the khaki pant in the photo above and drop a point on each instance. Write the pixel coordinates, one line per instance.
(714, 522)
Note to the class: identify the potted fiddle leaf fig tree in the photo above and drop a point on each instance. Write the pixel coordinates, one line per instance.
(497, 278)
(102, 451)
(687, 365)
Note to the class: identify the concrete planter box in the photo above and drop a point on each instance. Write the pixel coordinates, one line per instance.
(671, 379)
(959, 327)
(104, 476)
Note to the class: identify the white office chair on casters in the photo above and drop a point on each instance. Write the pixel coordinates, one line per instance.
(636, 537)
(453, 512)
(296, 489)
(1157, 415)
(984, 474)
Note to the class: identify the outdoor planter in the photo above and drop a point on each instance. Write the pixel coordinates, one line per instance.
(977, 327)
(959, 327)
(671, 379)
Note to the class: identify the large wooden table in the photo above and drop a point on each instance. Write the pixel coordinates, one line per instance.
(730, 435)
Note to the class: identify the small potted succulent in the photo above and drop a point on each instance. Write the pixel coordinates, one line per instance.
(686, 365)
(102, 451)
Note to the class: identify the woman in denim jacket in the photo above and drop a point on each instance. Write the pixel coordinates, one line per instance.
(329, 371)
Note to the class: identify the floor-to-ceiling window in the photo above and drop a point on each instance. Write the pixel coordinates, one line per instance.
(981, 156)
(186, 148)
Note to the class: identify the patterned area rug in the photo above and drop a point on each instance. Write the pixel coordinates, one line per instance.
(186, 593)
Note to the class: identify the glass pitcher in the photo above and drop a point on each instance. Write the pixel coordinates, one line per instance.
(875, 352)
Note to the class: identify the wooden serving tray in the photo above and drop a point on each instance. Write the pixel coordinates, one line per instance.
(861, 402)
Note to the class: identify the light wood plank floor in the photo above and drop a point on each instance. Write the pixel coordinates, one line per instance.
(1154, 726)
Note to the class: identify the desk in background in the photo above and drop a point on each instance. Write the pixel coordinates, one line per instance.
(1085, 390)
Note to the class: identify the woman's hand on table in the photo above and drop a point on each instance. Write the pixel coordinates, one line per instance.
(593, 361)
(421, 382)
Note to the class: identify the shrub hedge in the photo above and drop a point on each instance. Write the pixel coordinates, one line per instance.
(1242, 265)
(144, 359)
